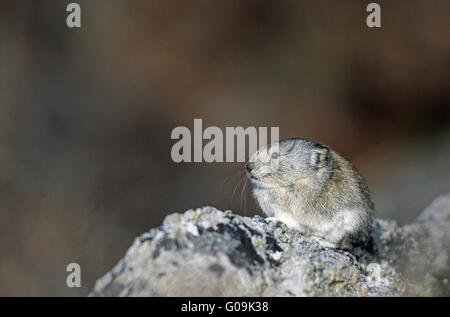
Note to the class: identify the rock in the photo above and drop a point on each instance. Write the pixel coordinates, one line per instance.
(207, 252)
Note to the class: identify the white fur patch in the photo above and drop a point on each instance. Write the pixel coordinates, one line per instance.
(343, 223)
(286, 218)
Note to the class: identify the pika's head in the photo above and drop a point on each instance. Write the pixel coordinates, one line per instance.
(290, 162)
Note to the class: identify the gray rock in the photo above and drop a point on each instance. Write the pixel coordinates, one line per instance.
(207, 252)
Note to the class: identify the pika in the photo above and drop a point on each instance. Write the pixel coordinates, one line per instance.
(313, 189)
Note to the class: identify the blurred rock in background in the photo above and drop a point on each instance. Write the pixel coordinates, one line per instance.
(86, 114)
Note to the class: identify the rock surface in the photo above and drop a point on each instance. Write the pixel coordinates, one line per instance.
(207, 252)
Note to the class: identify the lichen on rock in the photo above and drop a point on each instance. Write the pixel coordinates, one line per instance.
(208, 252)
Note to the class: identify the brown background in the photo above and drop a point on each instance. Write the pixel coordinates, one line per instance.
(86, 114)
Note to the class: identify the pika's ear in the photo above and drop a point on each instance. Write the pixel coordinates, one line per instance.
(320, 157)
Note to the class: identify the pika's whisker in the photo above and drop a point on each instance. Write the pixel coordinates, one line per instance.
(229, 177)
(244, 197)
(234, 190)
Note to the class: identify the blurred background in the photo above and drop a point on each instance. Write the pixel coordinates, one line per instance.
(86, 114)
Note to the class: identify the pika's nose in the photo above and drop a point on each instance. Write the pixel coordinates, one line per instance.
(249, 166)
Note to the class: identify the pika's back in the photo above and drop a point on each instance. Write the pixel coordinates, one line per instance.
(346, 184)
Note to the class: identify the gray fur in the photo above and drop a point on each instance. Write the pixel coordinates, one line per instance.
(311, 188)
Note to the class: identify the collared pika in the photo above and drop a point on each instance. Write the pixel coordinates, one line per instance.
(313, 189)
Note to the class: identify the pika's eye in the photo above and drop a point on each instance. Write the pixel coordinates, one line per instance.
(275, 155)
